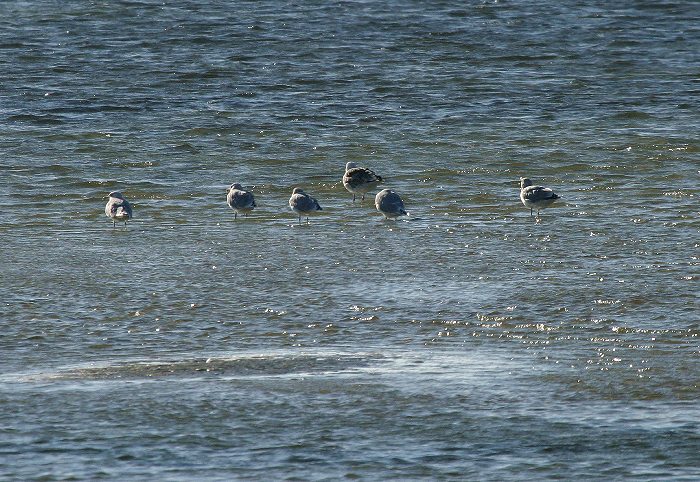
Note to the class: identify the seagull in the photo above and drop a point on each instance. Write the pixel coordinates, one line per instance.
(389, 204)
(535, 197)
(359, 180)
(240, 200)
(118, 208)
(302, 203)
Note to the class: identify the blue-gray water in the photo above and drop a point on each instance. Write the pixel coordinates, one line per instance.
(466, 342)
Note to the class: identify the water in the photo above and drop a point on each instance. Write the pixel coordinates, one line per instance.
(465, 342)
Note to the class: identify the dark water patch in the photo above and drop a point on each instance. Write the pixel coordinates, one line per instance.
(36, 119)
(93, 107)
(253, 366)
(207, 131)
(578, 167)
(632, 115)
(242, 58)
(142, 189)
(624, 42)
(141, 164)
(440, 172)
(12, 45)
(184, 147)
(198, 74)
(57, 169)
(525, 60)
(76, 137)
(245, 93)
(80, 184)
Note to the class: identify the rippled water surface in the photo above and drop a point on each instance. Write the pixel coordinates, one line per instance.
(468, 341)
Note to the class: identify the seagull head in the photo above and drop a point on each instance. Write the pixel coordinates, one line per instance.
(525, 182)
(350, 165)
(116, 194)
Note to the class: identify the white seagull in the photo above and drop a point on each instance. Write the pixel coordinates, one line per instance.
(535, 197)
(118, 208)
(240, 200)
(389, 204)
(359, 180)
(303, 204)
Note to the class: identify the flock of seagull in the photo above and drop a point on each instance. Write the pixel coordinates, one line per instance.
(358, 180)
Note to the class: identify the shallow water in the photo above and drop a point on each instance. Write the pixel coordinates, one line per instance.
(467, 341)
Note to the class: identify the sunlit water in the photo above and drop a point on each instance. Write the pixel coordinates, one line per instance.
(468, 341)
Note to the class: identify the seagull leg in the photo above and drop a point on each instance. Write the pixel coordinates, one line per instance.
(235, 215)
(353, 197)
